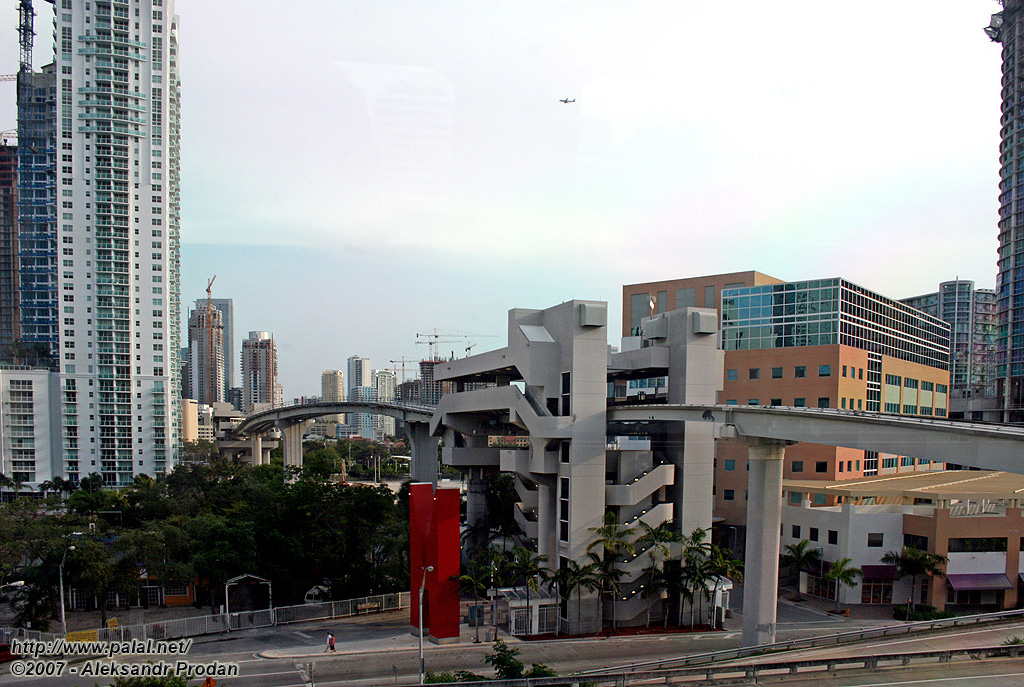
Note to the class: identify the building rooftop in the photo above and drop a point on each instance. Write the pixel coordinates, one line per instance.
(940, 484)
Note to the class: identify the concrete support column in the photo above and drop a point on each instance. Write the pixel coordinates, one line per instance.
(764, 520)
(256, 449)
(547, 510)
(424, 452)
(291, 435)
(476, 502)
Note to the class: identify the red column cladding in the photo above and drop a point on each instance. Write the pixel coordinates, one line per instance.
(434, 541)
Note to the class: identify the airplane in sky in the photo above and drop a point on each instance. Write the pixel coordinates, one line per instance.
(566, 100)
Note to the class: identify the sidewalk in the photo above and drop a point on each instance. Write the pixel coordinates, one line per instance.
(402, 640)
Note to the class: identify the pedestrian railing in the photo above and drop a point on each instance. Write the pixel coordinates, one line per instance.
(226, 622)
(819, 640)
(753, 671)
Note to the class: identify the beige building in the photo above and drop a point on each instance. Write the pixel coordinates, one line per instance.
(972, 517)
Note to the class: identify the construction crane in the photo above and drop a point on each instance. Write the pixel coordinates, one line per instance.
(211, 353)
(26, 33)
(439, 337)
(402, 360)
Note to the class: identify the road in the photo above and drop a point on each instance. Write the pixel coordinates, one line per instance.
(380, 650)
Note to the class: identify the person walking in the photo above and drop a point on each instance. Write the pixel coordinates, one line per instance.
(330, 643)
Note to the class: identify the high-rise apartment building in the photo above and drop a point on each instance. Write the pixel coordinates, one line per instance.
(10, 328)
(384, 388)
(1007, 28)
(971, 315)
(98, 258)
(332, 390)
(206, 362)
(360, 388)
(259, 372)
(226, 306)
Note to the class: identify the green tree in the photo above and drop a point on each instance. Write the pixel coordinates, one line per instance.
(798, 557)
(694, 573)
(573, 577)
(474, 581)
(656, 542)
(528, 568)
(914, 563)
(721, 564)
(614, 540)
(842, 573)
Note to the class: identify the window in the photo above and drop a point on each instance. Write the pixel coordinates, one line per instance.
(796, 498)
(563, 508)
(888, 462)
(820, 499)
(801, 371)
(730, 465)
(754, 373)
(563, 453)
(875, 539)
(796, 531)
(824, 370)
(800, 402)
(753, 402)
(729, 494)
(823, 402)
(776, 402)
(844, 370)
(812, 533)
(686, 298)
(776, 373)
(798, 466)
(840, 466)
(833, 537)
(906, 461)
(731, 375)
(709, 297)
(821, 466)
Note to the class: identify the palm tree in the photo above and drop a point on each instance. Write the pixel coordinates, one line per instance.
(474, 581)
(720, 563)
(798, 557)
(842, 573)
(571, 577)
(657, 541)
(608, 574)
(913, 562)
(696, 548)
(614, 540)
(529, 567)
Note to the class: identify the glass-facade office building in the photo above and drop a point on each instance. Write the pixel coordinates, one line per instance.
(831, 311)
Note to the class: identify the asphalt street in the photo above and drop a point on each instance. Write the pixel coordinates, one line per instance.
(381, 650)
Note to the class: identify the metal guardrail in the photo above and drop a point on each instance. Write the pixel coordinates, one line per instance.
(221, 622)
(753, 671)
(810, 642)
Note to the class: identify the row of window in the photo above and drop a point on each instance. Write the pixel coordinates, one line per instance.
(799, 402)
(799, 372)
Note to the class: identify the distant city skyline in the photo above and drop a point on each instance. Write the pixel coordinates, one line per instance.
(807, 141)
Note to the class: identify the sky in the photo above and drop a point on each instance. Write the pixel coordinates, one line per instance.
(356, 173)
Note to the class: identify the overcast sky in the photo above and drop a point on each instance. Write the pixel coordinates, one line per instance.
(358, 172)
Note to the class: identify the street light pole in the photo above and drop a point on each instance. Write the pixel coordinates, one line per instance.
(63, 622)
(423, 583)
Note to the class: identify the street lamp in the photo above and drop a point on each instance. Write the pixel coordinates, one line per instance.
(423, 583)
(63, 622)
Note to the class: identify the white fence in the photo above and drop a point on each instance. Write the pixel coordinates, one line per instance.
(242, 620)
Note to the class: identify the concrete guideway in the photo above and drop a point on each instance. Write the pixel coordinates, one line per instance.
(767, 431)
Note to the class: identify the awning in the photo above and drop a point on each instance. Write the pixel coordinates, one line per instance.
(979, 581)
(879, 572)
